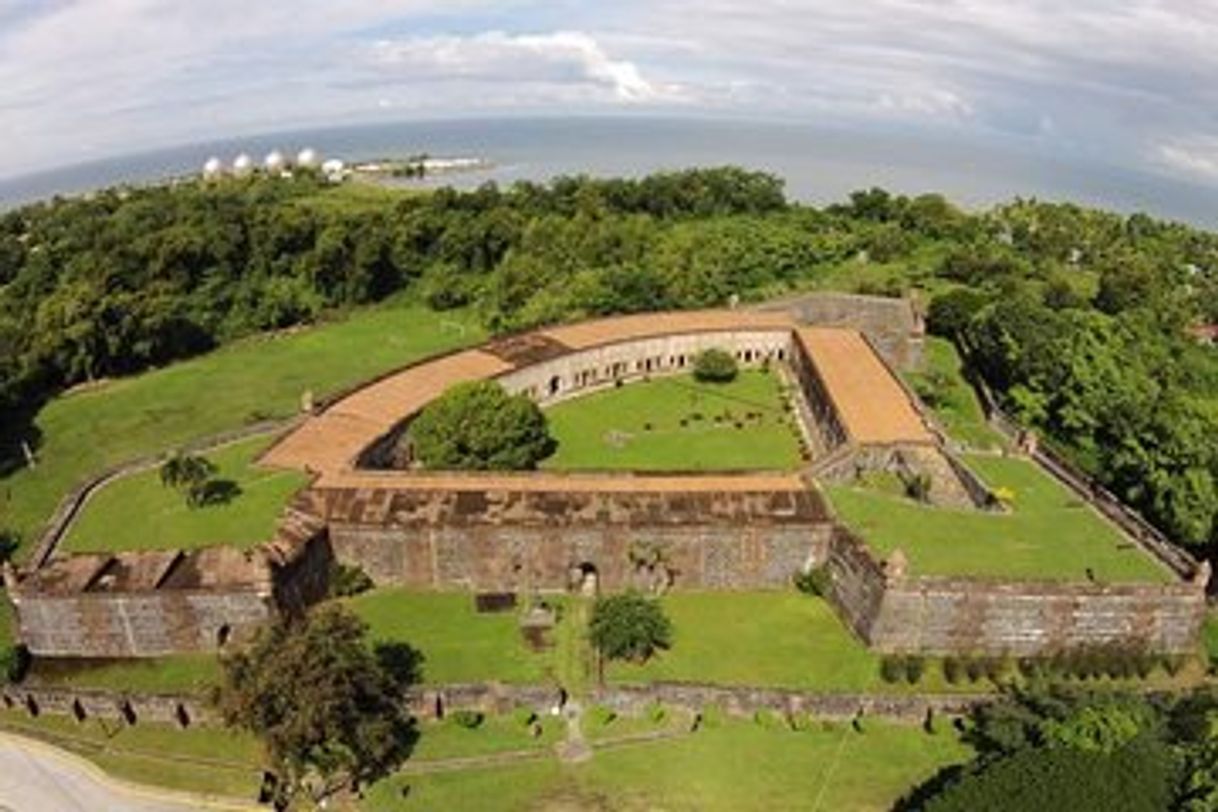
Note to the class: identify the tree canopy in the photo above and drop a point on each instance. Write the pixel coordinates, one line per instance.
(327, 711)
(629, 626)
(479, 426)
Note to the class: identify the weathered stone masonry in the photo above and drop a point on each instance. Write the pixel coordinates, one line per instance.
(151, 603)
(895, 612)
(496, 540)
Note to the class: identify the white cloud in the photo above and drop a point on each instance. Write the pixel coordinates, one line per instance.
(1193, 157)
(1124, 80)
(560, 58)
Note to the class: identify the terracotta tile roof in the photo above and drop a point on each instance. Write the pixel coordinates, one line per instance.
(870, 402)
(872, 405)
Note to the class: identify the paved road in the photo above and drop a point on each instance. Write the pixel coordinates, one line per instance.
(35, 777)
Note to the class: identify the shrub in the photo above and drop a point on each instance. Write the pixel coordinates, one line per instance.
(953, 670)
(601, 716)
(917, 487)
(525, 717)
(816, 581)
(1173, 664)
(715, 366)
(14, 662)
(468, 719)
(974, 668)
(657, 713)
(892, 668)
(347, 580)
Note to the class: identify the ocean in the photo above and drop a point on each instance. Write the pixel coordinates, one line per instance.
(819, 164)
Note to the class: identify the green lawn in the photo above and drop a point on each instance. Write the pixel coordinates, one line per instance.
(178, 673)
(781, 639)
(737, 765)
(458, 644)
(138, 512)
(88, 431)
(199, 759)
(942, 386)
(1048, 534)
(733, 426)
(496, 734)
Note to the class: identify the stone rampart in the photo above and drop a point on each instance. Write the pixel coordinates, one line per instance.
(552, 540)
(894, 326)
(894, 612)
(138, 625)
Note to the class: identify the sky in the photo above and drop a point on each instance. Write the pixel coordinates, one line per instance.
(1131, 83)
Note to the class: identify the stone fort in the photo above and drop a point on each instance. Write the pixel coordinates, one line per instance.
(370, 506)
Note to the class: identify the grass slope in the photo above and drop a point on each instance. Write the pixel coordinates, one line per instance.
(942, 387)
(458, 644)
(1049, 533)
(178, 673)
(608, 430)
(138, 512)
(85, 432)
(736, 766)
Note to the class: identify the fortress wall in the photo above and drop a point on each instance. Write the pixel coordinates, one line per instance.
(933, 615)
(137, 624)
(578, 372)
(941, 615)
(522, 557)
(824, 419)
(893, 325)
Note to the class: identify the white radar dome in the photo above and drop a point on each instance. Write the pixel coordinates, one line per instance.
(213, 167)
(275, 162)
(242, 164)
(307, 157)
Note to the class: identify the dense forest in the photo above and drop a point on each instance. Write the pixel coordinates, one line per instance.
(1078, 319)
(1062, 749)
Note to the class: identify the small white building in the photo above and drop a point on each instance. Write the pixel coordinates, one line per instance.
(334, 170)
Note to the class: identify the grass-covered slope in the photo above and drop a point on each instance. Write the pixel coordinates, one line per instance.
(675, 424)
(88, 431)
(1049, 533)
(138, 512)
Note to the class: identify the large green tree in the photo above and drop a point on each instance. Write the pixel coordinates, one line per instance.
(479, 426)
(629, 626)
(328, 713)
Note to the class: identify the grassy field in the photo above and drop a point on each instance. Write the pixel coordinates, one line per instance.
(138, 512)
(85, 432)
(639, 426)
(179, 673)
(942, 387)
(199, 759)
(781, 639)
(1048, 534)
(6, 621)
(458, 644)
(737, 765)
